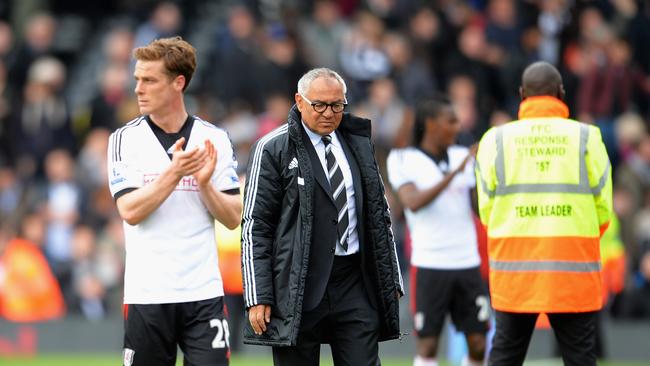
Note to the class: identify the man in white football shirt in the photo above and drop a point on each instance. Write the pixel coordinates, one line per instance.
(172, 175)
(433, 181)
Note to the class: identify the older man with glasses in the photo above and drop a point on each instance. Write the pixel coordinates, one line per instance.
(318, 255)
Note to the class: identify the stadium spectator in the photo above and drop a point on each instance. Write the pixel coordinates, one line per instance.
(277, 107)
(552, 19)
(91, 161)
(38, 41)
(117, 46)
(171, 175)
(475, 58)
(62, 203)
(632, 181)
(40, 120)
(283, 65)
(164, 21)
(611, 87)
(6, 40)
(16, 197)
(322, 33)
(413, 79)
(362, 56)
(637, 302)
(434, 181)
(464, 99)
(431, 36)
(113, 102)
(236, 48)
(110, 257)
(387, 111)
(88, 288)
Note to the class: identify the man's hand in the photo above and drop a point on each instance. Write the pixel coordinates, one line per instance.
(187, 162)
(259, 316)
(204, 174)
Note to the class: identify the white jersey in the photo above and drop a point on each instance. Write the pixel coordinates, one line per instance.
(171, 256)
(443, 234)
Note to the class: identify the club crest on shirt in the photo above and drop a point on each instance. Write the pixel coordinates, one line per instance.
(127, 356)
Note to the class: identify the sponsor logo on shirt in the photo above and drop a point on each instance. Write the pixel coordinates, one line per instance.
(187, 183)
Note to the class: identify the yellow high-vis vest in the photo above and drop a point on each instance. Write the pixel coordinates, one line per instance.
(545, 196)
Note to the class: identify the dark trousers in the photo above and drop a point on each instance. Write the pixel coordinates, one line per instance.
(575, 333)
(344, 319)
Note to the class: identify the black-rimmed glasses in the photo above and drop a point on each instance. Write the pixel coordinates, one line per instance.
(321, 107)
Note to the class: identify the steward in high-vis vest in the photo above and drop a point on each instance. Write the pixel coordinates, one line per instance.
(545, 196)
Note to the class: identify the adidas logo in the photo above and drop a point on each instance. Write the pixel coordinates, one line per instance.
(293, 164)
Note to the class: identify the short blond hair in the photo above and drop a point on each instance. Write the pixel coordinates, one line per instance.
(178, 56)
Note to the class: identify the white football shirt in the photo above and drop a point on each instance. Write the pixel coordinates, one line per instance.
(171, 256)
(443, 235)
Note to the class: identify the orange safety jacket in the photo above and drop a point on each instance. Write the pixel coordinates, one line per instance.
(545, 198)
(28, 291)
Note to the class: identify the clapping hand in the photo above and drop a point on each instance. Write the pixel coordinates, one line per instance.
(204, 174)
(187, 162)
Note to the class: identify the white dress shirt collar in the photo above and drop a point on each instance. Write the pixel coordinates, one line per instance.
(317, 139)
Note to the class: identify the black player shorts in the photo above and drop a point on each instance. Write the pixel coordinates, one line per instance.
(152, 333)
(460, 293)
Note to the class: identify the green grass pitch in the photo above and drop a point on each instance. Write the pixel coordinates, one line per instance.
(113, 360)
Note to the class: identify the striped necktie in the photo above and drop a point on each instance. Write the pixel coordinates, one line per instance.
(339, 194)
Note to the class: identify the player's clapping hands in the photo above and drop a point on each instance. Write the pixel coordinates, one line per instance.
(209, 163)
(199, 162)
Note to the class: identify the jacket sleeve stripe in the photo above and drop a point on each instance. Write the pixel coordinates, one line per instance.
(247, 230)
(399, 271)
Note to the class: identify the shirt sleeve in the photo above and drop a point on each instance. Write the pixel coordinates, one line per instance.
(225, 176)
(123, 174)
(469, 173)
(396, 167)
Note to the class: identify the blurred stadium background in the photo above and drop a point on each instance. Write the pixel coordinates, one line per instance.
(65, 83)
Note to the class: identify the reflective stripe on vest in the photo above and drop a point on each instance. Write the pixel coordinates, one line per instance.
(546, 266)
(582, 187)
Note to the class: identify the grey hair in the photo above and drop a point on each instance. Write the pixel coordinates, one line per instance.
(305, 81)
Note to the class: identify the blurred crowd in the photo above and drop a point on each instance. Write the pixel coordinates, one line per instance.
(66, 83)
